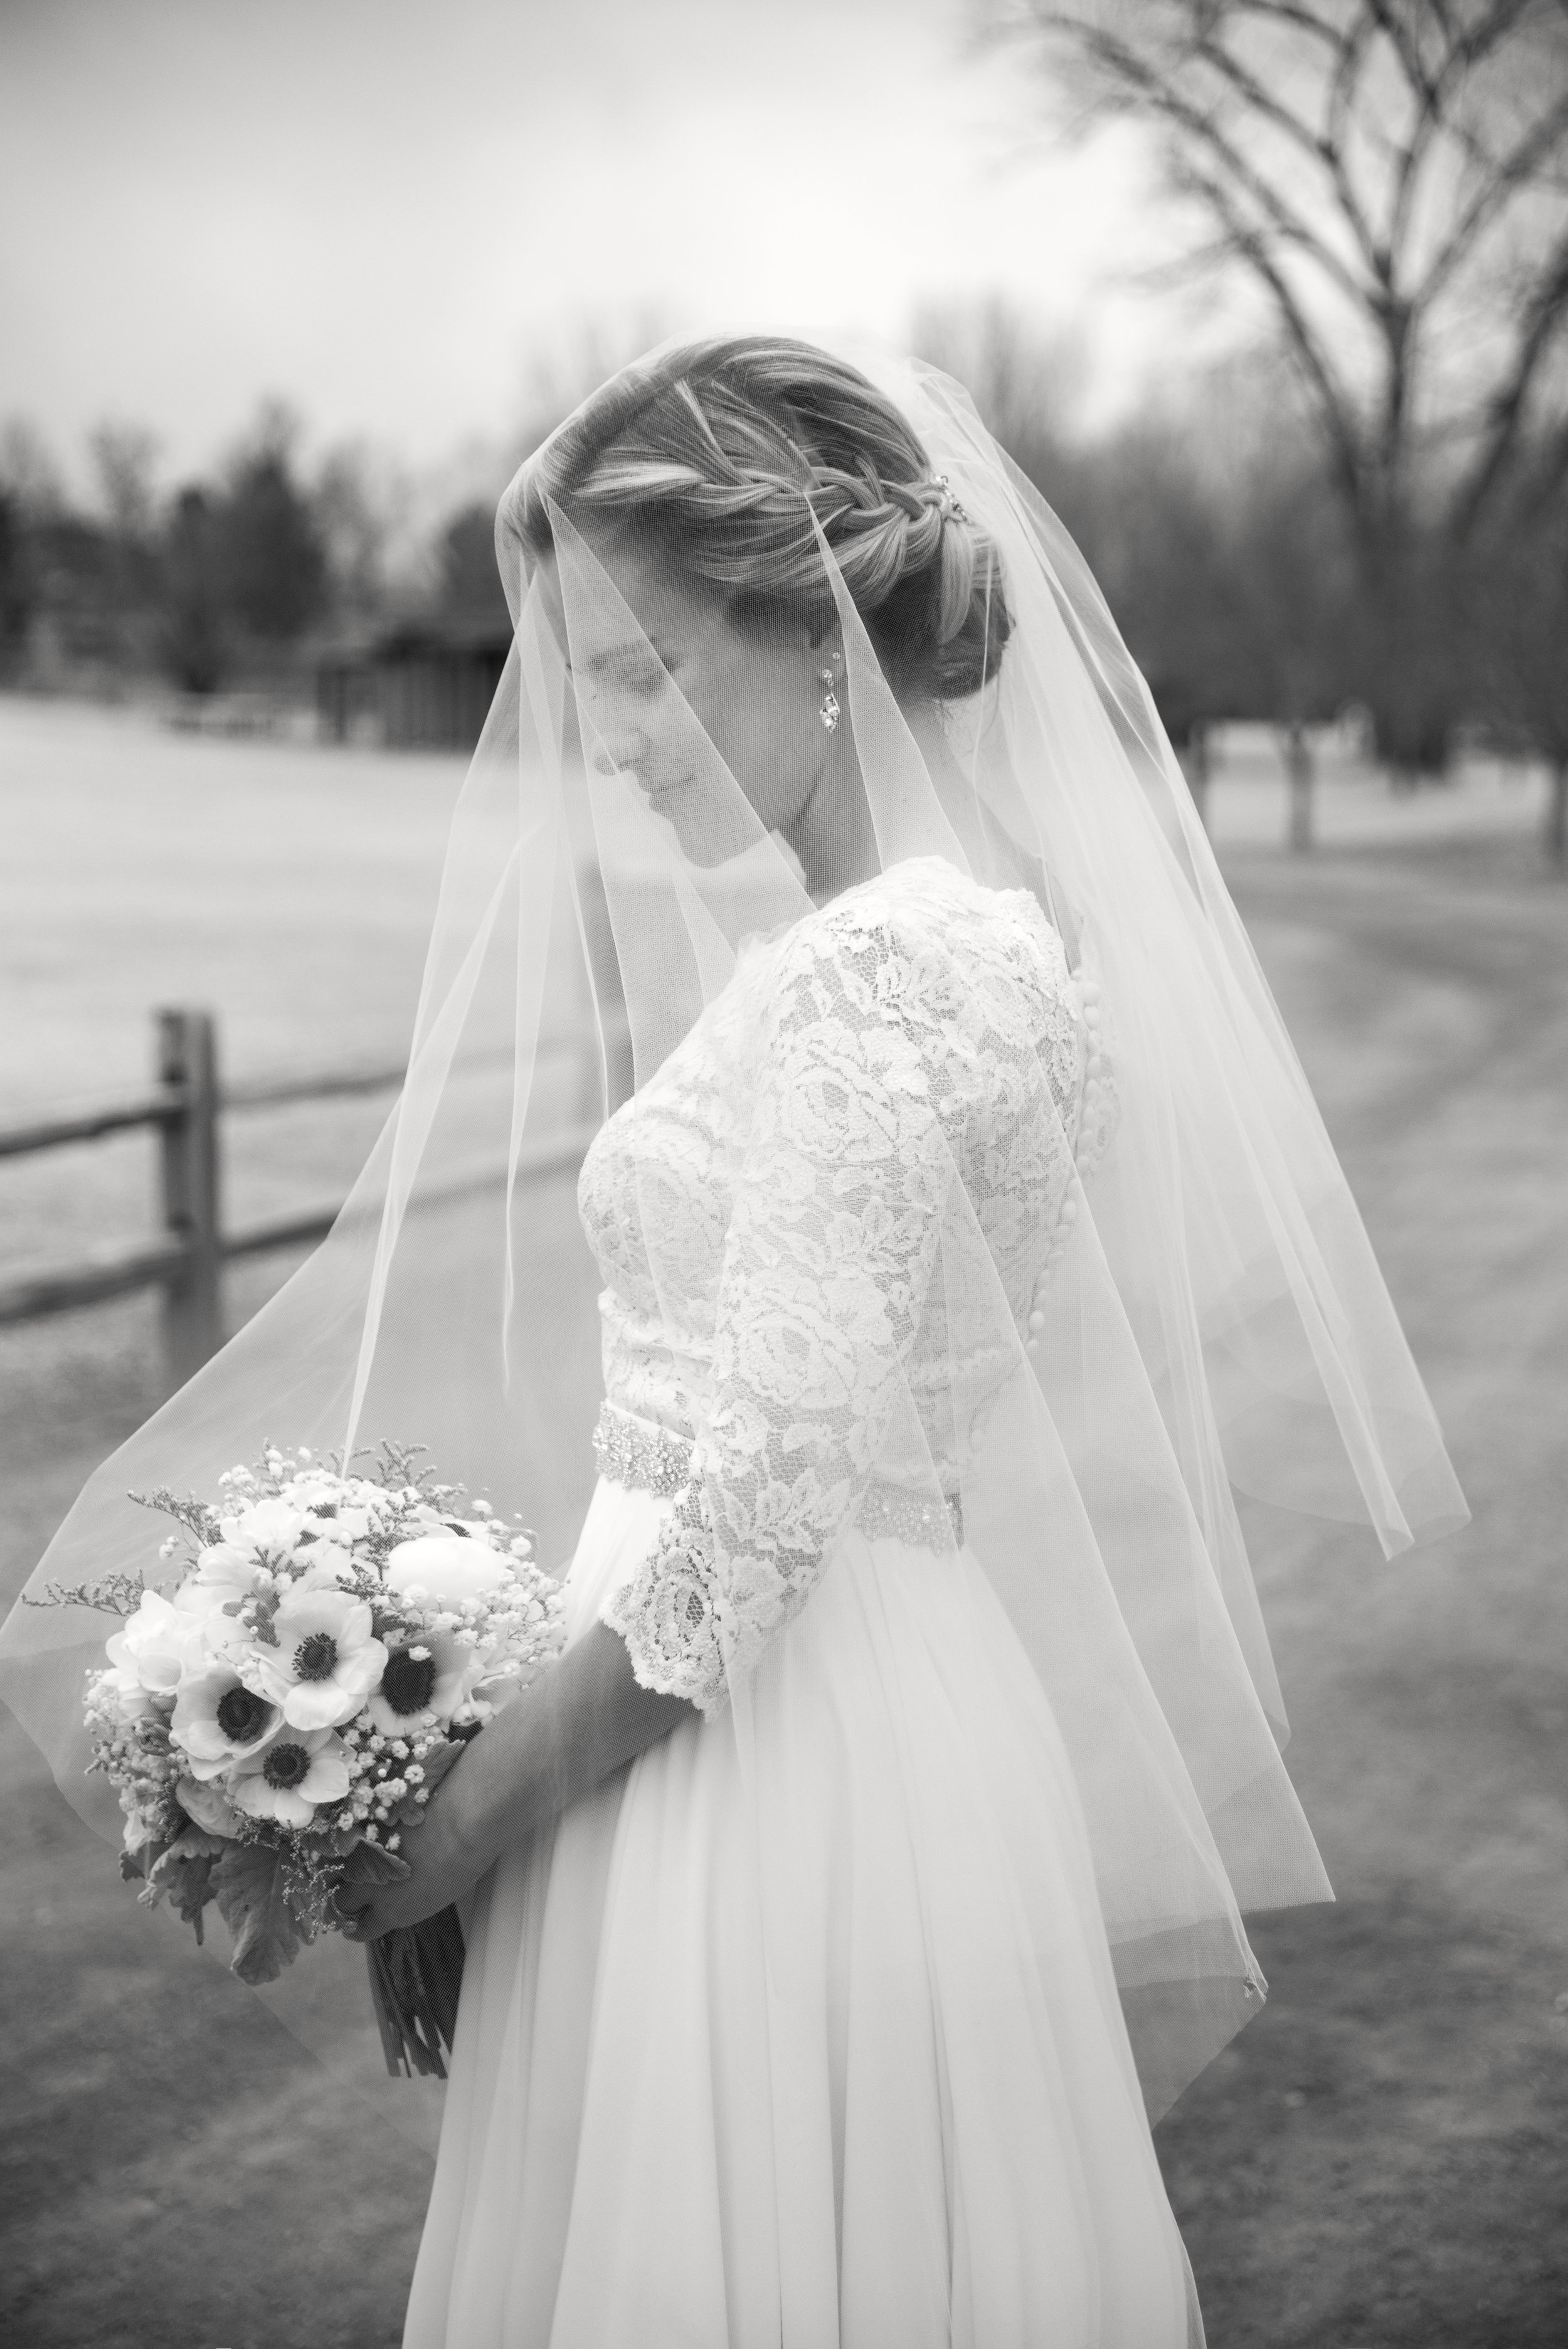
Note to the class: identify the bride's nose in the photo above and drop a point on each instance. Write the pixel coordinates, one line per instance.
(617, 747)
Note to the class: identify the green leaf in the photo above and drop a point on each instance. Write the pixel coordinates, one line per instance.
(189, 1890)
(248, 1886)
(437, 1764)
(334, 1843)
(372, 1863)
(184, 1871)
(194, 1843)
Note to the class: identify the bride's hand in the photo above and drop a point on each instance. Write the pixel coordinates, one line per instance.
(443, 1862)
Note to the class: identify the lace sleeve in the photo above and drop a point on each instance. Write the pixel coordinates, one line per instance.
(826, 1268)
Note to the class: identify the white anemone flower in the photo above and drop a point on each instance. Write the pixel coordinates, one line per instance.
(225, 1570)
(123, 1691)
(208, 1807)
(450, 1568)
(218, 1720)
(354, 1521)
(287, 1778)
(270, 1526)
(211, 1602)
(330, 1564)
(327, 1660)
(432, 1675)
(157, 1644)
(315, 1491)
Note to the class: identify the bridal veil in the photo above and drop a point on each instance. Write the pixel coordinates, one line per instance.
(1212, 1322)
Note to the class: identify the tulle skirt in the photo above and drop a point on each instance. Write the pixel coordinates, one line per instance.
(800, 2032)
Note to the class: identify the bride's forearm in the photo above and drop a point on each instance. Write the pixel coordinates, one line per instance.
(554, 1743)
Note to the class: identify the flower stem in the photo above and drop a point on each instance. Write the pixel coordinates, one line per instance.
(416, 1974)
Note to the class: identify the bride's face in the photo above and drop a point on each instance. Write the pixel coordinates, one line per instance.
(676, 688)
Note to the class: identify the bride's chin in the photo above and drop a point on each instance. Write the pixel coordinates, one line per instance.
(697, 823)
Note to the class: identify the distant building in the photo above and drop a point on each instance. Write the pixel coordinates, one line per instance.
(421, 684)
(425, 681)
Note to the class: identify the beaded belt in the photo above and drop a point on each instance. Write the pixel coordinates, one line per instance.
(654, 1459)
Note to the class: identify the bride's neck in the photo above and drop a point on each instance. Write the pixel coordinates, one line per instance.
(833, 835)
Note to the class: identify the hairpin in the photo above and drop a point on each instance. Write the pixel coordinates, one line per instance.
(952, 510)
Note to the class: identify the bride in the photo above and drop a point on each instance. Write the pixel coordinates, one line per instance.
(867, 1875)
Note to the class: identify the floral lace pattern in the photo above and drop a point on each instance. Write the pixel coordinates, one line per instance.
(801, 1220)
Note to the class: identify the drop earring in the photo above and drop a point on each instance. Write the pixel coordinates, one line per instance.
(828, 712)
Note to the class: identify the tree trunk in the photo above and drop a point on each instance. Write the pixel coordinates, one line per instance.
(1195, 767)
(1557, 816)
(1300, 769)
(1410, 649)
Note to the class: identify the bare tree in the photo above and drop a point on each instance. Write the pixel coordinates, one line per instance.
(1207, 522)
(360, 499)
(1520, 624)
(1027, 386)
(1391, 178)
(272, 555)
(124, 460)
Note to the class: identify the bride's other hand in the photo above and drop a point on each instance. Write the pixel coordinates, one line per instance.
(585, 1717)
(442, 1863)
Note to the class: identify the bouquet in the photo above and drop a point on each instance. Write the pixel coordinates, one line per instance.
(276, 1714)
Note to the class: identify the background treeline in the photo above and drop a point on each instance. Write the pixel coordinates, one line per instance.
(1212, 518)
(1363, 504)
(1218, 530)
(234, 578)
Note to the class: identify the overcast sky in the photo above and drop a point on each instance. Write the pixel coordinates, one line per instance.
(384, 210)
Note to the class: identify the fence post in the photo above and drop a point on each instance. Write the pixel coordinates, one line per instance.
(1300, 767)
(192, 1302)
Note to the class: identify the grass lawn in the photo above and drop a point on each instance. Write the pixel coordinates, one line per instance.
(1381, 2160)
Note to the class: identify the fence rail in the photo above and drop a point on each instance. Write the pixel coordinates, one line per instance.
(187, 1259)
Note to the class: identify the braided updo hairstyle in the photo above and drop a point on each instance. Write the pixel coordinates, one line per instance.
(726, 449)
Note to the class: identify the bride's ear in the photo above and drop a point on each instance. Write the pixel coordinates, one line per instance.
(825, 648)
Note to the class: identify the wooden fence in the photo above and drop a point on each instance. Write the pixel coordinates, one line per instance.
(185, 1260)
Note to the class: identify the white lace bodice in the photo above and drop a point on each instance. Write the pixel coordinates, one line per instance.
(802, 1219)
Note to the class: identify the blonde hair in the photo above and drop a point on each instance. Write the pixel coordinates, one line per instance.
(727, 450)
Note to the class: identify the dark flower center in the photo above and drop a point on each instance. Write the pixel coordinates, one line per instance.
(315, 1659)
(242, 1715)
(408, 1681)
(285, 1765)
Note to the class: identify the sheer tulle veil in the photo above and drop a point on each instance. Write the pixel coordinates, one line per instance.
(1213, 1321)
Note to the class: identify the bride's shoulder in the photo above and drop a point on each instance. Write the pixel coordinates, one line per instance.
(928, 906)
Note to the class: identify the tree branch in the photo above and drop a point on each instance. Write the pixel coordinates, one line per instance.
(1302, 20)
(1427, 97)
(1391, 23)
(1350, 57)
(1153, 93)
(1545, 315)
(1338, 411)
(1316, 146)
(1375, 152)
(1508, 176)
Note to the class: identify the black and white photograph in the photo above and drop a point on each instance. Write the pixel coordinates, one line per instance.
(784, 1174)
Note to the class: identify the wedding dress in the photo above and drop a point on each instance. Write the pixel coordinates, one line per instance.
(969, 2160)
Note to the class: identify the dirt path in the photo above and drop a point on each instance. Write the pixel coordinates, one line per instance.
(1381, 2158)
